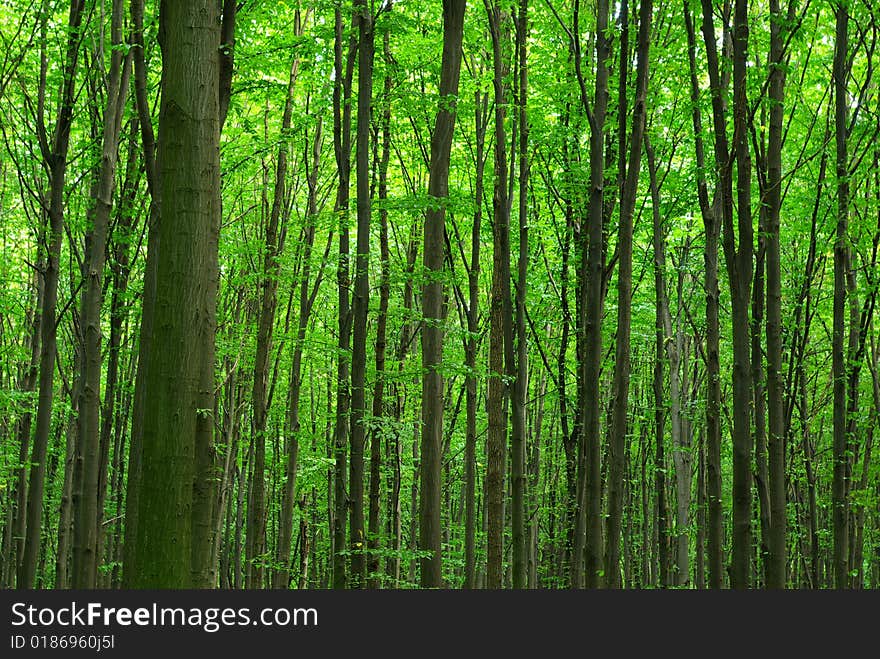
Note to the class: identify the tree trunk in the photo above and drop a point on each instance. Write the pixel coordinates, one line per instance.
(520, 369)
(376, 435)
(65, 514)
(306, 302)
(87, 517)
(274, 246)
(588, 528)
(471, 346)
(360, 299)
(776, 577)
(500, 333)
(622, 367)
(840, 507)
(342, 149)
(739, 271)
(135, 450)
(55, 157)
(178, 394)
(13, 540)
(713, 218)
(431, 573)
(758, 401)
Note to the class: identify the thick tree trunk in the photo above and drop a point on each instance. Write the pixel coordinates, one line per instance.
(178, 395)
(738, 257)
(207, 473)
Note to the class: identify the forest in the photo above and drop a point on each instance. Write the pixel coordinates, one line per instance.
(411, 294)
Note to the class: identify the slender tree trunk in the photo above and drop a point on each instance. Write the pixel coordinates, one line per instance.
(431, 573)
(373, 523)
(665, 346)
(360, 299)
(762, 473)
(588, 528)
(274, 246)
(700, 561)
(13, 541)
(342, 149)
(776, 576)
(148, 143)
(394, 446)
(500, 333)
(534, 509)
(115, 408)
(55, 157)
(713, 219)
(87, 518)
(520, 370)
(65, 514)
(471, 345)
(622, 365)
(306, 302)
(840, 507)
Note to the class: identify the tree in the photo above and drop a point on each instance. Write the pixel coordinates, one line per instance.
(54, 155)
(432, 298)
(178, 396)
(88, 517)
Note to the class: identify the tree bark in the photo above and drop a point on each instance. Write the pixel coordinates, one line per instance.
(840, 506)
(87, 517)
(471, 344)
(588, 529)
(738, 258)
(500, 318)
(776, 572)
(713, 218)
(178, 394)
(55, 158)
(377, 433)
(342, 149)
(306, 302)
(360, 299)
(148, 143)
(520, 370)
(431, 572)
(622, 367)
